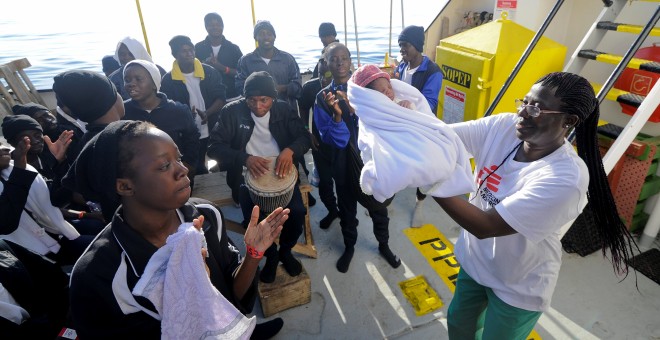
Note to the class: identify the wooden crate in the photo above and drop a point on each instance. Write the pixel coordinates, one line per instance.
(285, 292)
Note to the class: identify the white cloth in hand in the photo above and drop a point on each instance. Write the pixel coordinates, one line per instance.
(176, 282)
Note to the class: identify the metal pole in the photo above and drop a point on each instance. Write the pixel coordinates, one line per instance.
(254, 21)
(357, 43)
(144, 30)
(389, 46)
(524, 57)
(403, 25)
(345, 26)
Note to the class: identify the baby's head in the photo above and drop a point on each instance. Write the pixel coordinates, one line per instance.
(372, 77)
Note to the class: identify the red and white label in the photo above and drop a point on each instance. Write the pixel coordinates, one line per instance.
(507, 4)
(453, 108)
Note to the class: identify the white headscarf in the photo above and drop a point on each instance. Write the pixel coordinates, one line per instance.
(151, 68)
(135, 47)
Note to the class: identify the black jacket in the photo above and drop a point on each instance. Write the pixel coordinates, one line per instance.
(231, 134)
(211, 86)
(228, 55)
(37, 285)
(175, 119)
(94, 306)
(13, 197)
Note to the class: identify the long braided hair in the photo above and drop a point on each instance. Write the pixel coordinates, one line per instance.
(578, 98)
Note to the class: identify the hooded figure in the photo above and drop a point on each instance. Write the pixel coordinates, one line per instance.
(129, 49)
(135, 47)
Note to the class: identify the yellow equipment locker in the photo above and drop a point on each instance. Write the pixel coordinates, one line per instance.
(476, 63)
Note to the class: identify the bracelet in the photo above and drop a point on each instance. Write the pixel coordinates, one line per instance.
(253, 252)
(81, 214)
(226, 69)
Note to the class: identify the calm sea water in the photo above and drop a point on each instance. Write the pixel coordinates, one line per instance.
(75, 34)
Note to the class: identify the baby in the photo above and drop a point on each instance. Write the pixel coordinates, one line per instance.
(372, 77)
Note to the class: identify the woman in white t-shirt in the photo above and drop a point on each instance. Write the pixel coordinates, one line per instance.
(531, 184)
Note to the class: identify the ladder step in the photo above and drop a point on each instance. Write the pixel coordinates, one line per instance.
(610, 130)
(621, 96)
(626, 28)
(631, 99)
(636, 63)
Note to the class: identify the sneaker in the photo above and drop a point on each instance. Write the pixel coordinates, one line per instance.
(328, 219)
(267, 329)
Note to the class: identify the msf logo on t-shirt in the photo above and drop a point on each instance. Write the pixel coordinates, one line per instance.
(493, 181)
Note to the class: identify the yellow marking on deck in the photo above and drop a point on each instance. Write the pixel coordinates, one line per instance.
(420, 295)
(439, 252)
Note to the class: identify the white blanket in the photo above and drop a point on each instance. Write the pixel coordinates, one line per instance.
(190, 307)
(403, 148)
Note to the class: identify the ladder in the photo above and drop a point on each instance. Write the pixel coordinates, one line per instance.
(587, 50)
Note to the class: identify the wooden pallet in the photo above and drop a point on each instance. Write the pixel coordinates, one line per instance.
(16, 87)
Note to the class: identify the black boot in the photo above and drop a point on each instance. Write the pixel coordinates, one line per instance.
(311, 201)
(328, 219)
(267, 329)
(345, 259)
(392, 259)
(292, 266)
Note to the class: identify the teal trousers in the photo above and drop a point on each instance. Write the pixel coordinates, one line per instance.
(476, 313)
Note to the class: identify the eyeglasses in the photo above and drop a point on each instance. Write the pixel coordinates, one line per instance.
(532, 110)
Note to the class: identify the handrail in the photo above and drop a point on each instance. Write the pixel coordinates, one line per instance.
(630, 53)
(524, 57)
(628, 56)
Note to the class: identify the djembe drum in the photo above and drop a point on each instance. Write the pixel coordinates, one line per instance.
(270, 191)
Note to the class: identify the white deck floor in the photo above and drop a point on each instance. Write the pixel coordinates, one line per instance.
(590, 302)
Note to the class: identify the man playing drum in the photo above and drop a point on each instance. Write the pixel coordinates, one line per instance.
(248, 132)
